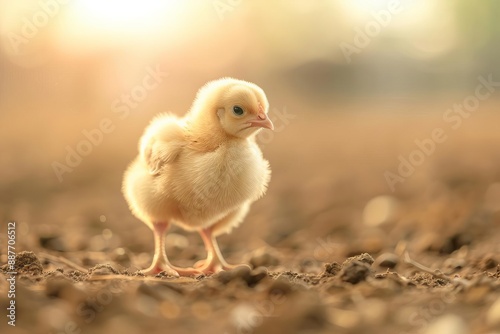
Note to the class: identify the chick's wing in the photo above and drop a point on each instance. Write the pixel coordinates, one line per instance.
(162, 142)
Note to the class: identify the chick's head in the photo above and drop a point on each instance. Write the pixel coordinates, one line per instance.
(240, 107)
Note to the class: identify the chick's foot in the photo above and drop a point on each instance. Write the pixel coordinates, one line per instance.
(160, 260)
(214, 262)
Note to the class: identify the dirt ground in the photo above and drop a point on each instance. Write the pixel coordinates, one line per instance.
(331, 248)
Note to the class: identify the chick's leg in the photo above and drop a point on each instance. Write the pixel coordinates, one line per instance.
(160, 260)
(215, 261)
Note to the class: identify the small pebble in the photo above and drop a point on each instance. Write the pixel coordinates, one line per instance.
(387, 260)
(264, 257)
(242, 272)
(257, 275)
(355, 272)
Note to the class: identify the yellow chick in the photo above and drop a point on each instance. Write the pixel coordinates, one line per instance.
(202, 171)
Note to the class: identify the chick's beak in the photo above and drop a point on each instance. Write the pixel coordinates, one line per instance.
(262, 121)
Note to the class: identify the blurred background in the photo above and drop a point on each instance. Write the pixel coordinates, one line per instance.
(352, 85)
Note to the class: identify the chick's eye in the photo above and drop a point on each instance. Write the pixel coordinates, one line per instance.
(238, 111)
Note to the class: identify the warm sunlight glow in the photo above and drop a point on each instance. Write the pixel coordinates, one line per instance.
(118, 14)
(111, 21)
(368, 4)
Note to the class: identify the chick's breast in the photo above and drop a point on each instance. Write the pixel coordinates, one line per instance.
(207, 186)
